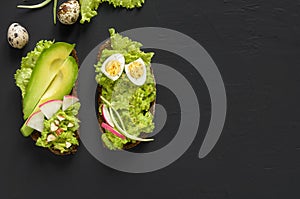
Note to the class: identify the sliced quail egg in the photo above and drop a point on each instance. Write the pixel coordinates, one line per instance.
(17, 36)
(136, 72)
(113, 66)
(68, 12)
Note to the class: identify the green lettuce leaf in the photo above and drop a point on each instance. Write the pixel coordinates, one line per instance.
(23, 74)
(89, 7)
(113, 142)
(129, 4)
(130, 49)
(73, 109)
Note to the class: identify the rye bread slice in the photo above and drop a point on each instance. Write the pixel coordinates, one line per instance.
(35, 135)
(107, 45)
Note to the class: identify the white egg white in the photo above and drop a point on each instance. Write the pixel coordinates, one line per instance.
(137, 81)
(114, 57)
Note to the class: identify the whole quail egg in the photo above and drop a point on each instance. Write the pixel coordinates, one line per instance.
(113, 66)
(68, 12)
(136, 72)
(17, 36)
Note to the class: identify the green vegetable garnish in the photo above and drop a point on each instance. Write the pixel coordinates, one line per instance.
(129, 4)
(40, 5)
(54, 11)
(44, 3)
(89, 7)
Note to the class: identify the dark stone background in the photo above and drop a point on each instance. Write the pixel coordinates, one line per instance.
(256, 46)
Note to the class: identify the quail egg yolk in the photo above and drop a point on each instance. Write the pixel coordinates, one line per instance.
(113, 67)
(136, 70)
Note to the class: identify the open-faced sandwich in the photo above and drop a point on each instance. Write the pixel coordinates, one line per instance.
(126, 92)
(47, 78)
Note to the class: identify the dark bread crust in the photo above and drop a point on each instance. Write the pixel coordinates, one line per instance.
(107, 45)
(35, 135)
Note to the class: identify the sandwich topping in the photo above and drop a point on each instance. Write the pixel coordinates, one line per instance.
(126, 100)
(59, 131)
(113, 66)
(46, 76)
(23, 74)
(136, 72)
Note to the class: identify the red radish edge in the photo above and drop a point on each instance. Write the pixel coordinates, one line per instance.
(49, 102)
(38, 123)
(32, 116)
(76, 99)
(71, 96)
(65, 104)
(55, 106)
(106, 116)
(113, 131)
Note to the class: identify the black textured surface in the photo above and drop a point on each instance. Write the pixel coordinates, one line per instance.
(256, 46)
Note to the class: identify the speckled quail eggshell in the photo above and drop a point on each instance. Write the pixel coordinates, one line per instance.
(17, 36)
(68, 12)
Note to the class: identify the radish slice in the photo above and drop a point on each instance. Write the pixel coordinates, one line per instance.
(36, 121)
(113, 131)
(110, 110)
(68, 101)
(122, 130)
(106, 115)
(50, 107)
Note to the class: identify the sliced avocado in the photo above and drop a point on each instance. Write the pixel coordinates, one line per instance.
(47, 66)
(60, 86)
(63, 82)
